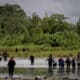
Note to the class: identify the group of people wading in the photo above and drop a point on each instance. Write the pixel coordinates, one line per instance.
(67, 62)
(62, 62)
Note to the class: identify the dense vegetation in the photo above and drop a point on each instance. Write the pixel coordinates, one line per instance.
(16, 28)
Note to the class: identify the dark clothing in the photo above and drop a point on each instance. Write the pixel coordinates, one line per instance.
(73, 63)
(50, 61)
(54, 63)
(50, 64)
(5, 55)
(0, 58)
(61, 63)
(11, 65)
(32, 59)
(16, 50)
(78, 65)
(68, 62)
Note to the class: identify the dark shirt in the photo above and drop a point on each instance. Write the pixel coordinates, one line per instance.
(73, 62)
(50, 61)
(68, 61)
(32, 58)
(11, 63)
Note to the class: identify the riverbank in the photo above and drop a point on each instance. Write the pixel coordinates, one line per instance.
(39, 51)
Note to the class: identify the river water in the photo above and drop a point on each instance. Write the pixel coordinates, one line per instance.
(32, 72)
(40, 68)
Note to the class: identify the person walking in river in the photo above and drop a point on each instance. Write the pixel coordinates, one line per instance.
(73, 62)
(11, 64)
(50, 63)
(32, 59)
(68, 62)
(78, 60)
(61, 62)
(54, 63)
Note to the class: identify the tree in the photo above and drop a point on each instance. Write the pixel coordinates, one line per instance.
(12, 19)
(78, 26)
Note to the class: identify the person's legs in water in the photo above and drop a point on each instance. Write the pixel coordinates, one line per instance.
(50, 70)
(32, 62)
(11, 73)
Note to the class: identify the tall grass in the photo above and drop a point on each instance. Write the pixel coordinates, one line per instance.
(38, 51)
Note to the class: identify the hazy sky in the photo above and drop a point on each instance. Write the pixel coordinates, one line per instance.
(69, 8)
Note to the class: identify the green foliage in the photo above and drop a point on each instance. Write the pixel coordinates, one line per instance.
(12, 20)
(16, 28)
(67, 39)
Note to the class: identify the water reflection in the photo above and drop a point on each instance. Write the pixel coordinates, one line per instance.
(73, 70)
(50, 70)
(68, 70)
(32, 71)
(78, 71)
(60, 70)
(57, 72)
